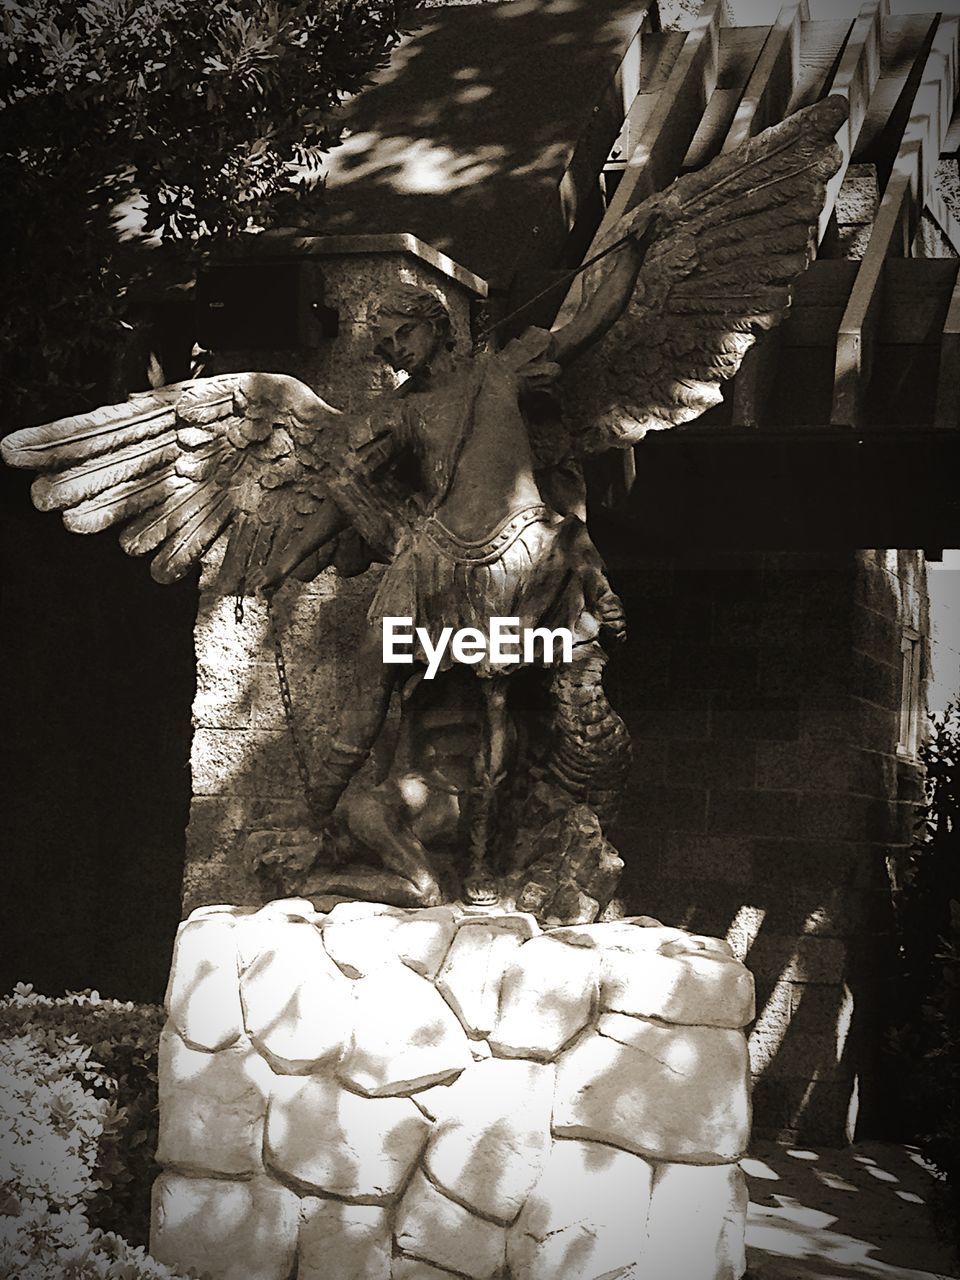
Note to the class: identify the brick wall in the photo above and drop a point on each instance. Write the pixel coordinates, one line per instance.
(762, 691)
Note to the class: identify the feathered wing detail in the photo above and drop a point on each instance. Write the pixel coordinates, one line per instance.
(732, 239)
(258, 452)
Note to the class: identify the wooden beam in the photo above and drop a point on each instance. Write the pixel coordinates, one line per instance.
(670, 129)
(910, 184)
(765, 100)
(577, 185)
(947, 412)
(855, 79)
(933, 106)
(772, 82)
(801, 488)
(740, 49)
(931, 122)
(820, 298)
(821, 45)
(755, 379)
(856, 339)
(951, 143)
(902, 42)
(660, 52)
(822, 9)
(916, 300)
(944, 218)
(628, 73)
(667, 132)
(757, 12)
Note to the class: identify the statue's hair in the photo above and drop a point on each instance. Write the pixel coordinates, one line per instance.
(410, 301)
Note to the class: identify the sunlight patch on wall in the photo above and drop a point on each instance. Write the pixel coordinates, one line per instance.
(767, 1033)
(744, 929)
(844, 1019)
(801, 1107)
(853, 1110)
(414, 166)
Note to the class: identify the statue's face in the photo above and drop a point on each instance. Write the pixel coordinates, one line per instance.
(406, 342)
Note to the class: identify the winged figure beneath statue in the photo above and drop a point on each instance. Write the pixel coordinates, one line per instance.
(476, 511)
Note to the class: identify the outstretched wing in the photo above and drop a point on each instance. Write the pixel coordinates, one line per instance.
(177, 465)
(732, 238)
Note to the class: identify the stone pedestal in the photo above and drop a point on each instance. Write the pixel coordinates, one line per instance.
(394, 1094)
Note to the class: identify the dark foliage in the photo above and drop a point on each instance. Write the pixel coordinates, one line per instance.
(136, 130)
(89, 1068)
(926, 1044)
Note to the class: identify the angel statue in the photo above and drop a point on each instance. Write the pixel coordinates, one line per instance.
(466, 483)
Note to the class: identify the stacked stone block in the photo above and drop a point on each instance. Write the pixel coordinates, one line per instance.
(405, 1094)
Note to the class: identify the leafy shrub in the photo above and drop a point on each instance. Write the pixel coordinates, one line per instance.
(926, 1043)
(206, 111)
(78, 1086)
(43, 1244)
(133, 129)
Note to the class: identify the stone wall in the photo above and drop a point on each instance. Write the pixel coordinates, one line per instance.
(768, 804)
(381, 1094)
(242, 762)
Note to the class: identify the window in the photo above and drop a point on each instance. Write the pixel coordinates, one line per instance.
(911, 654)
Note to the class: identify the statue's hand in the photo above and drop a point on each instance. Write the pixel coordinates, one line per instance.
(645, 226)
(611, 615)
(264, 579)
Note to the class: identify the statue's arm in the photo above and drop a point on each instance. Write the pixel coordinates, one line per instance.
(347, 484)
(605, 305)
(319, 529)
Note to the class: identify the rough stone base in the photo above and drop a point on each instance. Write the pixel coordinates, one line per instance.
(394, 1094)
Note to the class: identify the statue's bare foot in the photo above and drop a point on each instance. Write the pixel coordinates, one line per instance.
(428, 892)
(481, 889)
